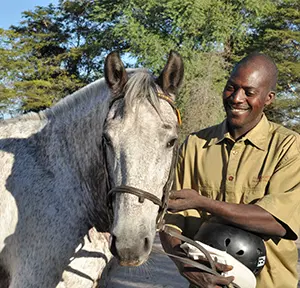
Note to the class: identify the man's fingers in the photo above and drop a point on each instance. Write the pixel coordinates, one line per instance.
(204, 279)
(219, 266)
(174, 194)
(220, 280)
(223, 267)
(172, 205)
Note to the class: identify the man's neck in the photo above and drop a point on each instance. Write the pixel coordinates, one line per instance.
(238, 132)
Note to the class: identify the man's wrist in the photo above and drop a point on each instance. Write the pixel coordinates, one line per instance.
(203, 203)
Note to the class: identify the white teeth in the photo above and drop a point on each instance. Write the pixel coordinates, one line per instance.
(238, 111)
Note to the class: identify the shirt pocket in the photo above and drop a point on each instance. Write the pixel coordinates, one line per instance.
(252, 194)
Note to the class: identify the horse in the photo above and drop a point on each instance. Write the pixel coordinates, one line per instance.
(87, 176)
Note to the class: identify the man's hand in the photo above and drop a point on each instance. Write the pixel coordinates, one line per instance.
(193, 275)
(204, 279)
(184, 199)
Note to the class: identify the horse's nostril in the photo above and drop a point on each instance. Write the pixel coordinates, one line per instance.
(147, 244)
(113, 247)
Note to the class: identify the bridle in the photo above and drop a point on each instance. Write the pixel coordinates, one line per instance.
(163, 203)
(141, 194)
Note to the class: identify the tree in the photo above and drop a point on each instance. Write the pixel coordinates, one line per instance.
(62, 48)
(49, 55)
(229, 29)
(278, 35)
(200, 30)
(203, 102)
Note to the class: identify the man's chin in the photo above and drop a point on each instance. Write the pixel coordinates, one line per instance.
(236, 122)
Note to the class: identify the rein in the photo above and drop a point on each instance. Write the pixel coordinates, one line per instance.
(190, 261)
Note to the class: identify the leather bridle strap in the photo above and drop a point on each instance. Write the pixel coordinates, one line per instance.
(171, 102)
(166, 191)
(172, 233)
(192, 262)
(141, 194)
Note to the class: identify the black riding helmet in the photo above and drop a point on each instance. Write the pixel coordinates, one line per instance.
(244, 246)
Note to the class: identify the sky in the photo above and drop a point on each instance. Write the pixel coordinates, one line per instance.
(11, 10)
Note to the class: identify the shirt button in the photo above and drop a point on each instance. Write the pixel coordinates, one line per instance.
(230, 178)
(234, 152)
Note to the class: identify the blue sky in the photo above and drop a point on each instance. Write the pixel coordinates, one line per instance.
(10, 12)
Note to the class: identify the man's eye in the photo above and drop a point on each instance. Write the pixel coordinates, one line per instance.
(229, 88)
(250, 93)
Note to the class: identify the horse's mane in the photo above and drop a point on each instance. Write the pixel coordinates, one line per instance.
(141, 85)
(88, 95)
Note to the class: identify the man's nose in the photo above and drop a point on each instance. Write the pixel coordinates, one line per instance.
(238, 96)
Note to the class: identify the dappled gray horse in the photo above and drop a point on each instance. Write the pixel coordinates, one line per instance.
(56, 172)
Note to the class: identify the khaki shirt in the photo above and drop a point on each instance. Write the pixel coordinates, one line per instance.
(262, 168)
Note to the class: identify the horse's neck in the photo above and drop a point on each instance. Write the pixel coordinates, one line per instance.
(76, 124)
(73, 143)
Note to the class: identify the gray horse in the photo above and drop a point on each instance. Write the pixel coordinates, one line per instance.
(56, 173)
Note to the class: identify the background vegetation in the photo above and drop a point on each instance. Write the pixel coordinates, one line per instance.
(57, 49)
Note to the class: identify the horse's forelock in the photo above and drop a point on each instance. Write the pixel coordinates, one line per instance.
(141, 85)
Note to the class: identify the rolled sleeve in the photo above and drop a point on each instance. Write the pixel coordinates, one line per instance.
(283, 195)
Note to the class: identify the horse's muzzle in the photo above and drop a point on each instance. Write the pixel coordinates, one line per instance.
(133, 255)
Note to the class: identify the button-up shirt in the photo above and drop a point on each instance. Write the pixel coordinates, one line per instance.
(261, 168)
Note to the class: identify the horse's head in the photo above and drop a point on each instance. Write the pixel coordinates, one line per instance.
(140, 135)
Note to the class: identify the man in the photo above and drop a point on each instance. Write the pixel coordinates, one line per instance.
(246, 172)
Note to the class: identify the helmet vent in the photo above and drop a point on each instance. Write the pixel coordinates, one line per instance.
(240, 253)
(227, 242)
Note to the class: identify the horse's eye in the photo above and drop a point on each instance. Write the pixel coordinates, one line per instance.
(171, 143)
(107, 140)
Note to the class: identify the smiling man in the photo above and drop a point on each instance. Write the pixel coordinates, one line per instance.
(250, 88)
(245, 172)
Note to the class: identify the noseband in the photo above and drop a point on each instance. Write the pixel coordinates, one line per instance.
(141, 194)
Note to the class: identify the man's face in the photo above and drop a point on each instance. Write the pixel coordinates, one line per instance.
(246, 93)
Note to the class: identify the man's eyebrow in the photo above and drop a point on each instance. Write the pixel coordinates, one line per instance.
(249, 87)
(231, 82)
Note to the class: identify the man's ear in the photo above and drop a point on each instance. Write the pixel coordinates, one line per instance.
(270, 98)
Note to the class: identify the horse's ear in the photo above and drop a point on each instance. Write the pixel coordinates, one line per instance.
(171, 76)
(115, 73)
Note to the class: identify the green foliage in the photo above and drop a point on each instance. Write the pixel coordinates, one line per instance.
(198, 30)
(51, 54)
(58, 49)
(149, 29)
(278, 35)
(200, 98)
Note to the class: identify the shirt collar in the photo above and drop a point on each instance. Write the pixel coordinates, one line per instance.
(257, 136)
